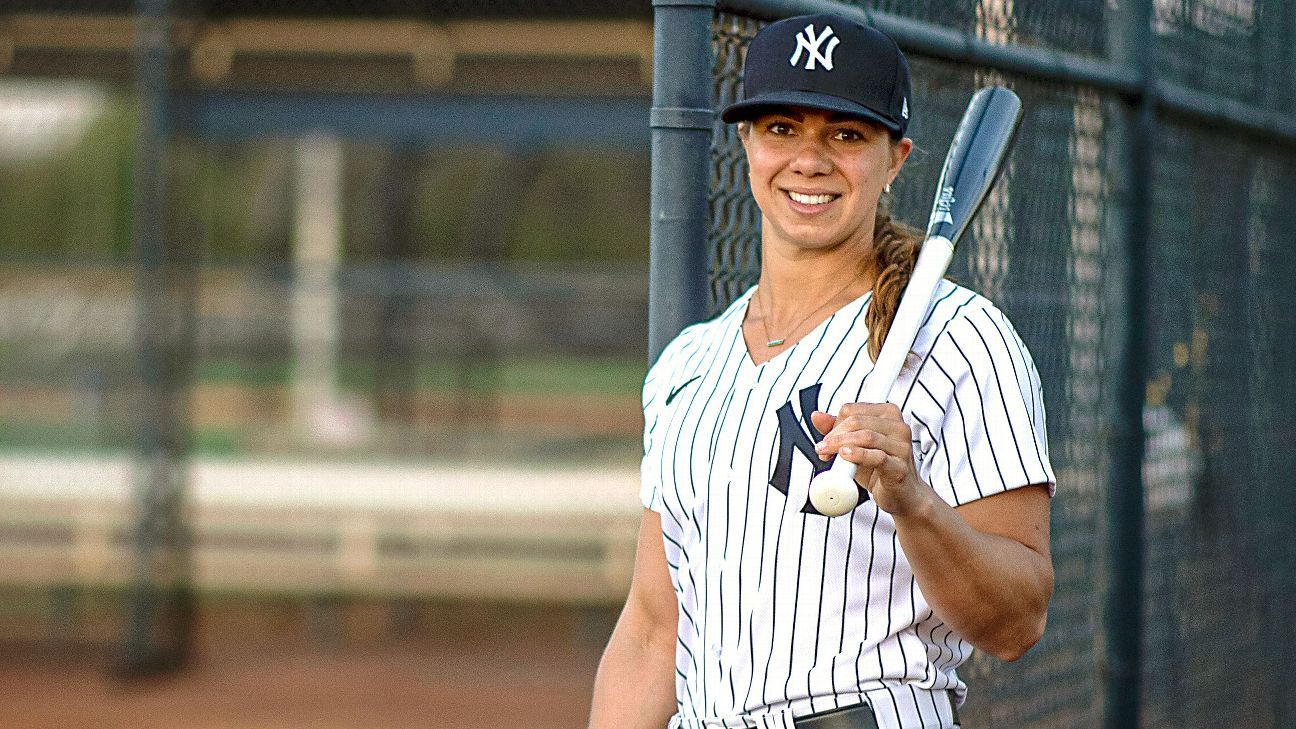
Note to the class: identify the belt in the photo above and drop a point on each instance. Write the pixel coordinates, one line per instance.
(859, 716)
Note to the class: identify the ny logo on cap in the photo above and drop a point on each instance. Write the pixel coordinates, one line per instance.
(810, 43)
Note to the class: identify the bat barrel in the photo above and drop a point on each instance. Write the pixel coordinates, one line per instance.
(975, 159)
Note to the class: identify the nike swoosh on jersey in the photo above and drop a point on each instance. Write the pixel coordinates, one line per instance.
(676, 391)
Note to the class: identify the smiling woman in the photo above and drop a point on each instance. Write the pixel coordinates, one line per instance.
(818, 178)
(749, 607)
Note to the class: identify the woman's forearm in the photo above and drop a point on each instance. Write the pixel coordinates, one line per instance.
(985, 567)
(990, 588)
(635, 685)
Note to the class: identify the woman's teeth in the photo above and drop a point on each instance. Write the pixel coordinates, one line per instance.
(811, 199)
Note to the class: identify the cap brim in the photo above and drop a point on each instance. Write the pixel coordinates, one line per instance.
(754, 107)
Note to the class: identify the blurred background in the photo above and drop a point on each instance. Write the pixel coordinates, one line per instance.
(322, 328)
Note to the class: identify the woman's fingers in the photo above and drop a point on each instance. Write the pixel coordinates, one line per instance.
(873, 459)
(823, 422)
(872, 436)
(877, 440)
(864, 455)
(866, 433)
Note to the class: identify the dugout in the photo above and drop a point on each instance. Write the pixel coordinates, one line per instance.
(391, 231)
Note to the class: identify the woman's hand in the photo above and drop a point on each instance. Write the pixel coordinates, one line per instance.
(876, 438)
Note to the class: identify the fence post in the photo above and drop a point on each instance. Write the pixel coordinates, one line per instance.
(682, 118)
(160, 607)
(1122, 691)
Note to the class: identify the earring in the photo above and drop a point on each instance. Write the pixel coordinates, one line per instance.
(887, 189)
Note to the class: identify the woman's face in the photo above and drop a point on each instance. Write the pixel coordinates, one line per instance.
(817, 176)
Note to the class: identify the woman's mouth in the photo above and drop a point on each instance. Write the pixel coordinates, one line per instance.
(817, 199)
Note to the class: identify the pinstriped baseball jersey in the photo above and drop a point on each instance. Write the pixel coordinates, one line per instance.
(784, 611)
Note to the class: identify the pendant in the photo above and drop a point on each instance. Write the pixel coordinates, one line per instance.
(774, 342)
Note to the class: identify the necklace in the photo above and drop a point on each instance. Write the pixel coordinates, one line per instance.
(772, 342)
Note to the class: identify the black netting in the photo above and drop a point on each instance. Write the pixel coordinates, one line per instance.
(1047, 247)
(1074, 26)
(1219, 410)
(735, 220)
(1235, 48)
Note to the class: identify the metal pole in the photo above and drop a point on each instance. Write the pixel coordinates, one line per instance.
(682, 118)
(160, 604)
(1131, 46)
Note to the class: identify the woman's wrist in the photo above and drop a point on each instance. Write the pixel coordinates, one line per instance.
(920, 506)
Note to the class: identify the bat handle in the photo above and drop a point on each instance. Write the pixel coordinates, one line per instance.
(835, 492)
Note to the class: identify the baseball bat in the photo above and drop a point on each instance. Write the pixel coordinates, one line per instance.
(973, 163)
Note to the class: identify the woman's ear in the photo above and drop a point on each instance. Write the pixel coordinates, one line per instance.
(899, 153)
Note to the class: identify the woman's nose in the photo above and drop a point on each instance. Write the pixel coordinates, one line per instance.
(812, 158)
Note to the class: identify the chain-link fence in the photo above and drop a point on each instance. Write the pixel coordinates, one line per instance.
(1220, 574)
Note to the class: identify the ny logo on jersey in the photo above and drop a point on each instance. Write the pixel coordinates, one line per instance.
(810, 43)
(793, 437)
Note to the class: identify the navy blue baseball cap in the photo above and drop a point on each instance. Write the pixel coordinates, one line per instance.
(825, 62)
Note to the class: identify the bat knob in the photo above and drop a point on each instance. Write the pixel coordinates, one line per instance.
(834, 493)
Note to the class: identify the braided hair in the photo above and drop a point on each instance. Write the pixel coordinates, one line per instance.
(895, 250)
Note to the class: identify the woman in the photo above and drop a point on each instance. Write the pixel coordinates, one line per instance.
(748, 607)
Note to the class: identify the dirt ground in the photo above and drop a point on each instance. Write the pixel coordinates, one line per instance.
(519, 670)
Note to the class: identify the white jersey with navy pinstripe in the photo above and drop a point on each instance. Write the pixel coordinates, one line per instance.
(786, 612)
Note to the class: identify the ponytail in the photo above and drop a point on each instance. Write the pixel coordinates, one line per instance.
(895, 250)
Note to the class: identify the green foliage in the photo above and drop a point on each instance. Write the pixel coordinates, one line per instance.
(584, 205)
(483, 203)
(233, 203)
(75, 202)
(238, 196)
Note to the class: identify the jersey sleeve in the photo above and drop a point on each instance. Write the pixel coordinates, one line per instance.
(979, 412)
(656, 389)
(649, 470)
